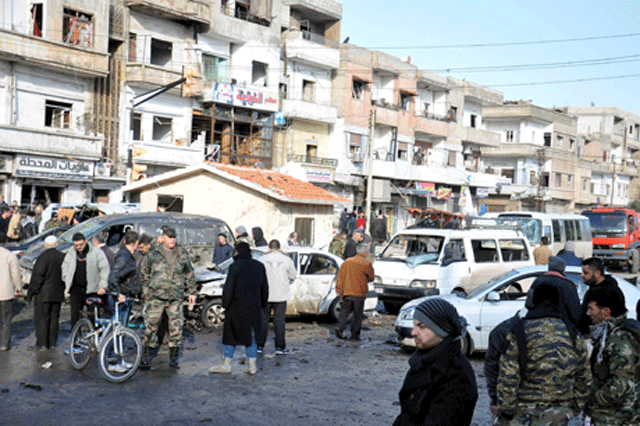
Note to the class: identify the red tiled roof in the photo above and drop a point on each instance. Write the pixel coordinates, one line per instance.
(281, 184)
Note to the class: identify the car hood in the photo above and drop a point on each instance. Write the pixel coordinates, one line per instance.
(204, 274)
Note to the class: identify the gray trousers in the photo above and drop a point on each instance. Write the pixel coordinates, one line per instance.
(6, 312)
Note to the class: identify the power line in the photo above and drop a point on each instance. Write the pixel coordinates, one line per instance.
(512, 43)
(578, 80)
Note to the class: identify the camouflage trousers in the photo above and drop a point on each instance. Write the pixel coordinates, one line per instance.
(532, 415)
(152, 315)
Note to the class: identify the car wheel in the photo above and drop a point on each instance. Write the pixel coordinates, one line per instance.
(334, 311)
(212, 315)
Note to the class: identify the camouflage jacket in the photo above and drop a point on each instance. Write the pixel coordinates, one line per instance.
(160, 281)
(557, 370)
(615, 398)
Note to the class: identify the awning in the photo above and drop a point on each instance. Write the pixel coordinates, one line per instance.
(366, 80)
(409, 92)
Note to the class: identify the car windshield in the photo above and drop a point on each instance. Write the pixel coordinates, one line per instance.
(607, 223)
(413, 249)
(85, 228)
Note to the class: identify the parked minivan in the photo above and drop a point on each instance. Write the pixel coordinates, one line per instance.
(424, 261)
(197, 233)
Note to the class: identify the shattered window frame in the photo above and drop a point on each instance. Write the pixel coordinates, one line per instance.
(77, 28)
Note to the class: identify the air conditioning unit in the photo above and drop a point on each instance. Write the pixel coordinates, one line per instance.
(103, 169)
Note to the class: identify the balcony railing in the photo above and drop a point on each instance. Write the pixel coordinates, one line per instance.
(317, 38)
(431, 116)
(241, 12)
(312, 159)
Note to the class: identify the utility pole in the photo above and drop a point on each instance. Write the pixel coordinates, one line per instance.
(540, 157)
(613, 179)
(370, 169)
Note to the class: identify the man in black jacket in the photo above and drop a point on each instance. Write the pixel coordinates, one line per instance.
(46, 288)
(593, 275)
(352, 243)
(123, 277)
(440, 387)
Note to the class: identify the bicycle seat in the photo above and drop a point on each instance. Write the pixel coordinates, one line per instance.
(94, 301)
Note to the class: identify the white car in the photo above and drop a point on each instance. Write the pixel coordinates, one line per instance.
(498, 299)
(313, 291)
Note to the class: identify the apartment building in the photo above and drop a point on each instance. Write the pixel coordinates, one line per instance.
(611, 152)
(538, 153)
(53, 55)
(423, 126)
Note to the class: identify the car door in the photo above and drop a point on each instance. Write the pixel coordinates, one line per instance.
(513, 294)
(315, 280)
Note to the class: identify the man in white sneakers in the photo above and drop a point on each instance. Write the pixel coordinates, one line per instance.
(280, 273)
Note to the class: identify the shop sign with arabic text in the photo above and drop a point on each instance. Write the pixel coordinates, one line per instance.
(243, 97)
(32, 166)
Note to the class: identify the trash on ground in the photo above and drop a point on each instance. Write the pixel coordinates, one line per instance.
(31, 386)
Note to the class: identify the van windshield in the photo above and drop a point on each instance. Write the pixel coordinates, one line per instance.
(85, 228)
(413, 249)
(531, 227)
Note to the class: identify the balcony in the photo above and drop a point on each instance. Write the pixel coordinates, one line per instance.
(313, 49)
(480, 137)
(386, 114)
(312, 159)
(166, 154)
(38, 141)
(309, 111)
(152, 75)
(177, 10)
(432, 124)
(321, 9)
(57, 56)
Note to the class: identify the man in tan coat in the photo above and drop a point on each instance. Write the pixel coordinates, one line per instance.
(10, 285)
(542, 253)
(352, 287)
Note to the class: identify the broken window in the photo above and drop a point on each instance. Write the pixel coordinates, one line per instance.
(36, 20)
(357, 89)
(133, 46)
(259, 73)
(170, 203)
(77, 28)
(162, 129)
(57, 114)
(160, 52)
(308, 91)
(215, 68)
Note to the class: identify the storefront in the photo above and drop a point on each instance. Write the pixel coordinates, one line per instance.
(46, 180)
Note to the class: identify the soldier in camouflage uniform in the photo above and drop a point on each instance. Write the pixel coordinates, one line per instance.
(615, 361)
(544, 375)
(166, 273)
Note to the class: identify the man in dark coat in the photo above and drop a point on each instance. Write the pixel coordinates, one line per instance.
(379, 228)
(245, 295)
(223, 250)
(440, 387)
(352, 243)
(593, 275)
(568, 254)
(569, 299)
(46, 288)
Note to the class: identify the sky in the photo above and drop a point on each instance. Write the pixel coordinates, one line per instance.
(426, 30)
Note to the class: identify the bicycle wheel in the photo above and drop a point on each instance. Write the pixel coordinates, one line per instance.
(120, 355)
(80, 348)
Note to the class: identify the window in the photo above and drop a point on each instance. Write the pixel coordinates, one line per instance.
(570, 181)
(36, 20)
(357, 89)
(304, 228)
(547, 139)
(77, 28)
(317, 264)
(402, 151)
(557, 230)
(558, 179)
(160, 52)
(215, 68)
(405, 101)
(133, 46)
(584, 184)
(560, 141)
(453, 251)
(57, 114)
(485, 251)
(169, 203)
(162, 129)
(259, 73)
(312, 150)
(472, 120)
(137, 126)
(308, 91)
(355, 147)
(572, 143)
(544, 180)
(452, 159)
(513, 250)
(509, 135)
(508, 173)
(569, 230)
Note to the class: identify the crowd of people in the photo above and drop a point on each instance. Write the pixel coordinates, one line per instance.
(18, 223)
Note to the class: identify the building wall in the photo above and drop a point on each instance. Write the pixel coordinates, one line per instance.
(302, 131)
(250, 208)
(322, 79)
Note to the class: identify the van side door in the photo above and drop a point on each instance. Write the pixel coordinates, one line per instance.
(486, 261)
(454, 267)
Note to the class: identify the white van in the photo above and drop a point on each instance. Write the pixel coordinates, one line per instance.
(559, 228)
(420, 262)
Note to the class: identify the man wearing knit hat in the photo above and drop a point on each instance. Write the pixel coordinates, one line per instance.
(440, 387)
(569, 299)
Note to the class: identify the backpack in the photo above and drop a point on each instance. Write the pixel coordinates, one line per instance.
(337, 246)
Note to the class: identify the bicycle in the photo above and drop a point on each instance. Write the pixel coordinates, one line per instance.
(119, 348)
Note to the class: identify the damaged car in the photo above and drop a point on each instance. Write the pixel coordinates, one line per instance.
(313, 291)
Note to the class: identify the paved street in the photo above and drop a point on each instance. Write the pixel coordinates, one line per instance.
(323, 382)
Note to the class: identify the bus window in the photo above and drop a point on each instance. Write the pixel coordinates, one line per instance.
(557, 231)
(578, 228)
(569, 231)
